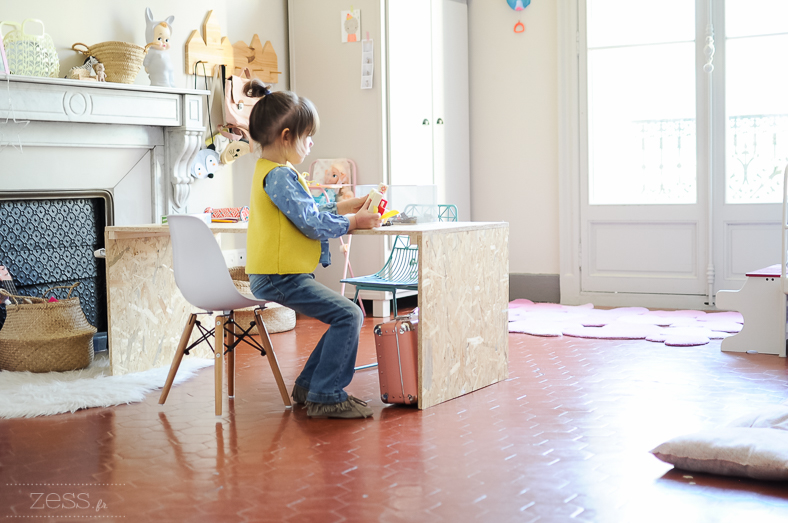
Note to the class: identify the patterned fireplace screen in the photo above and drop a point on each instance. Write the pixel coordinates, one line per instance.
(48, 242)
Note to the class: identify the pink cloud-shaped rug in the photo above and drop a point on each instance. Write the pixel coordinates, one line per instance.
(673, 328)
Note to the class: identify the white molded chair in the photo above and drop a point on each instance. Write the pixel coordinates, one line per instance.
(202, 277)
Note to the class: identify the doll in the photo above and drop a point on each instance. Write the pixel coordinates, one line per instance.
(158, 63)
(324, 195)
(101, 76)
(338, 173)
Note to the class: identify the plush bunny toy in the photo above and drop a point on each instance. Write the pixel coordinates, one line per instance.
(157, 61)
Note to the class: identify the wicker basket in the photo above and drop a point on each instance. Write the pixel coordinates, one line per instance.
(122, 61)
(277, 318)
(39, 336)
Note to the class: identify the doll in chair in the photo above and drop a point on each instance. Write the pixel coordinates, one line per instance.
(338, 176)
(335, 175)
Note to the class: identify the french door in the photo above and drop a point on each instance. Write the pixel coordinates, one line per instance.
(682, 140)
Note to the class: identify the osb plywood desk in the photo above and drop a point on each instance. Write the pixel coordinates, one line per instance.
(146, 312)
(463, 296)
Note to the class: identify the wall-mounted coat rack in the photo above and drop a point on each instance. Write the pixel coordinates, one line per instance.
(214, 49)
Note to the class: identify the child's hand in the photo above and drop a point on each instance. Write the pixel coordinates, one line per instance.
(350, 205)
(356, 203)
(364, 219)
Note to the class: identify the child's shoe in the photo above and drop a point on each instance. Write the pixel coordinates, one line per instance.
(299, 394)
(351, 408)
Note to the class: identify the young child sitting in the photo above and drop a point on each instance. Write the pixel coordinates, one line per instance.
(287, 238)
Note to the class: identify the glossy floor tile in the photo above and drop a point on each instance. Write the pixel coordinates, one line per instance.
(565, 438)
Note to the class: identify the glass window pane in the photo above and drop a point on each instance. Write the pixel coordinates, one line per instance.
(757, 119)
(755, 17)
(634, 22)
(641, 125)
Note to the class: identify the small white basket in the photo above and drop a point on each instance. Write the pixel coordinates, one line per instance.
(28, 54)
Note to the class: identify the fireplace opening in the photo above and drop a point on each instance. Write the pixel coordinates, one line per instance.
(49, 239)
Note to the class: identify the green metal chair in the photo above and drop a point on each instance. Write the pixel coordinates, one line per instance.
(401, 270)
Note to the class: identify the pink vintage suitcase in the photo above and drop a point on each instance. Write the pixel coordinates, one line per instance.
(397, 343)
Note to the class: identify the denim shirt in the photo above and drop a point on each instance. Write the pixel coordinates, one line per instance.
(317, 222)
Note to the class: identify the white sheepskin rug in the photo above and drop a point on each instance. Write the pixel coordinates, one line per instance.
(28, 394)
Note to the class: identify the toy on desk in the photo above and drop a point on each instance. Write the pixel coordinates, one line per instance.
(389, 214)
(158, 63)
(400, 219)
(101, 76)
(378, 204)
(229, 214)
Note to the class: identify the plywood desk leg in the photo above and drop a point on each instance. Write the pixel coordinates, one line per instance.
(217, 363)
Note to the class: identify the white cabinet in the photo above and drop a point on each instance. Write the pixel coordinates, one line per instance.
(427, 97)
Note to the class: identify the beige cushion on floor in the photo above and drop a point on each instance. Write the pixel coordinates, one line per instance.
(277, 318)
(753, 446)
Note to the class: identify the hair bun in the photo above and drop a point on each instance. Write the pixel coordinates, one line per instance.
(256, 89)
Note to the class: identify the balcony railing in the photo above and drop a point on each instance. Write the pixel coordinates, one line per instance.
(756, 154)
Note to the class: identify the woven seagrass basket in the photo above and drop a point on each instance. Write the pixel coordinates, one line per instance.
(122, 61)
(277, 318)
(39, 336)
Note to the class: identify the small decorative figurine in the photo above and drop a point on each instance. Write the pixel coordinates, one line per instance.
(158, 63)
(101, 76)
(80, 72)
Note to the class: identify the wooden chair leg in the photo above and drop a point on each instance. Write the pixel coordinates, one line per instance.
(265, 340)
(231, 360)
(176, 360)
(217, 363)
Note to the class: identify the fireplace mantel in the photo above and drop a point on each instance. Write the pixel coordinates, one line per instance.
(73, 113)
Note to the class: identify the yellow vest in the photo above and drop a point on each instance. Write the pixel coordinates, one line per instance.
(273, 244)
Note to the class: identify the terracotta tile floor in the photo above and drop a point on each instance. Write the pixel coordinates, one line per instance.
(565, 438)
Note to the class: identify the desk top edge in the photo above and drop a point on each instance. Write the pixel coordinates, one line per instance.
(433, 227)
(394, 229)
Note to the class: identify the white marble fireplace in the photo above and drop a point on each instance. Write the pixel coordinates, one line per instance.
(131, 143)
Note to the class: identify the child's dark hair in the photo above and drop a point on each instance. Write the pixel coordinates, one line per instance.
(277, 111)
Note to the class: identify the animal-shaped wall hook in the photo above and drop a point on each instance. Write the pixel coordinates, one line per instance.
(204, 164)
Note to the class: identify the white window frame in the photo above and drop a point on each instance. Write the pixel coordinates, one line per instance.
(570, 139)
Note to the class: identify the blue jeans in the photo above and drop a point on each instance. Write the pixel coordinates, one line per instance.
(329, 368)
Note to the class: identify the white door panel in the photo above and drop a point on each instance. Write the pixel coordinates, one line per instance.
(642, 257)
(679, 169)
(749, 247)
(410, 91)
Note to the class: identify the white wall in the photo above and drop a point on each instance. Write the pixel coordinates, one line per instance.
(514, 128)
(514, 150)
(95, 21)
